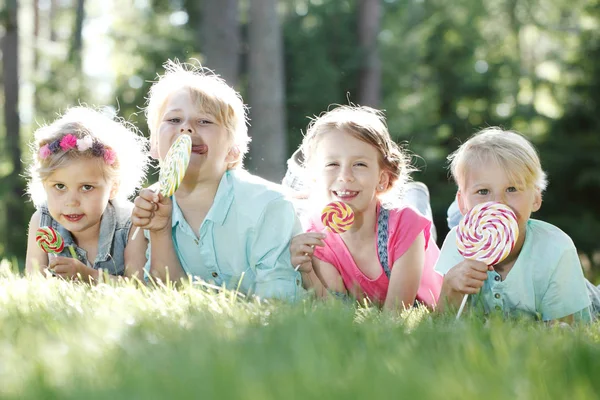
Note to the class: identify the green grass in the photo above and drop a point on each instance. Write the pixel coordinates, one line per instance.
(60, 340)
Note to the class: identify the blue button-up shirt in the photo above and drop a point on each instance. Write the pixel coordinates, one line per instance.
(244, 240)
(546, 282)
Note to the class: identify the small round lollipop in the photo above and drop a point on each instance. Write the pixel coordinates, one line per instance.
(487, 233)
(172, 169)
(174, 165)
(337, 216)
(49, 240)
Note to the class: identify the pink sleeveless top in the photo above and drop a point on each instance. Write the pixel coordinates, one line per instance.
(404, 225)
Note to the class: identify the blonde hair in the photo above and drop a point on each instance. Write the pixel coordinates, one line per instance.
(367, 125)
(128, 149)
(510, 150)
(210, 93)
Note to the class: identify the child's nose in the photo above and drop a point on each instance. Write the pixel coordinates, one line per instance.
(72, 200)
(186, 127)
(500, 198)
(346, 175)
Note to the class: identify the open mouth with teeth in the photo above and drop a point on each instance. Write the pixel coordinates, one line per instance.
(73, 217)
(345, 194)
(199, 148)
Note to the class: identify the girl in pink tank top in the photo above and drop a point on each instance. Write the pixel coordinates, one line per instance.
(388, 254)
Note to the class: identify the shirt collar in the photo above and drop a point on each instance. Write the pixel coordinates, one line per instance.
(221, 203)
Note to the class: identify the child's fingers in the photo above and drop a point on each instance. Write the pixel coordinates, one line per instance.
(144, 204)
(149, 195)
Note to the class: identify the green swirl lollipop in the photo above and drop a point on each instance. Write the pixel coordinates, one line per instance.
(173, 167)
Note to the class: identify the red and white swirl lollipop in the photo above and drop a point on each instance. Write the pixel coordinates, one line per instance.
(49, 240)
(487, 233)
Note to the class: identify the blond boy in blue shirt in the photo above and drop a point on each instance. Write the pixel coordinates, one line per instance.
(222, 225)
(542, 276)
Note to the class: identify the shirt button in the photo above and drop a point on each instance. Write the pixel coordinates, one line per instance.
(497, 295)
(214, 274)
(298, 282)
(196, 241)
(498, 308)
(497, 278)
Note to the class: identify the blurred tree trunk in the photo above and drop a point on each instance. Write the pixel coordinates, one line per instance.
(76, 38)
(12, 185)
(36, 54)
(36, 34)
(52, 16)
(266, 91)
(369, 19)
(218, 34)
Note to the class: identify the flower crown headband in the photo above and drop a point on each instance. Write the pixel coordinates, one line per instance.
(70, 141)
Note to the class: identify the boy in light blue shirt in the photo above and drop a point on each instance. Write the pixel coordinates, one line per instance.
(222, 225)
(542, 276)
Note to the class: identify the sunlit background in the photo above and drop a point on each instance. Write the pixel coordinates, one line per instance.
(440, 69)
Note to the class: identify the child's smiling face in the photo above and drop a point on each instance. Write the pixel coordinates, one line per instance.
(78, 194)
(346, 168)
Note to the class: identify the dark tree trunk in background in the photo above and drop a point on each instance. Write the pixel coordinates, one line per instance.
(266, 92)
(218, 33)
(53, 14)
(369, 19)
(12, 186)
(76, 38)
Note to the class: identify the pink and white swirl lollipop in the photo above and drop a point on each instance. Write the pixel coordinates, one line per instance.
(487, 233)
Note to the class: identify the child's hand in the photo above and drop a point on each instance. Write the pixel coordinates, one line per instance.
(466, 277)
(68, 268)
(152, 211)
(302, 248)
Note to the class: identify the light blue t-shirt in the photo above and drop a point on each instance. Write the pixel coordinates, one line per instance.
(246, 231)
(546, 282)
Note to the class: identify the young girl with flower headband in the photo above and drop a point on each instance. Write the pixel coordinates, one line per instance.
(85, 165)
(388, 254)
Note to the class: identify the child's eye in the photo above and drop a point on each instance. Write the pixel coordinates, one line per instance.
(87, 188)
(174, 120)
(60, 186)
(360, 164)
(512, 189)
(204, 122)
(483, 192)
(331, 164)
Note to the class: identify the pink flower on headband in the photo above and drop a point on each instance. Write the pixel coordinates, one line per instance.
(85, 143)
(68, 142)
(109, 156)
(44, 151)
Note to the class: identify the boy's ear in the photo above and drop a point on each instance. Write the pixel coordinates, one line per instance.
(233, 155)
(537, 201)
(461, 203)
(154, 151)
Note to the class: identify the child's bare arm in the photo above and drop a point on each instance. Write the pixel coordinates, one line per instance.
(406, 276)
(135, 255)
(36, 259)
(329, 277)
(467, 277)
